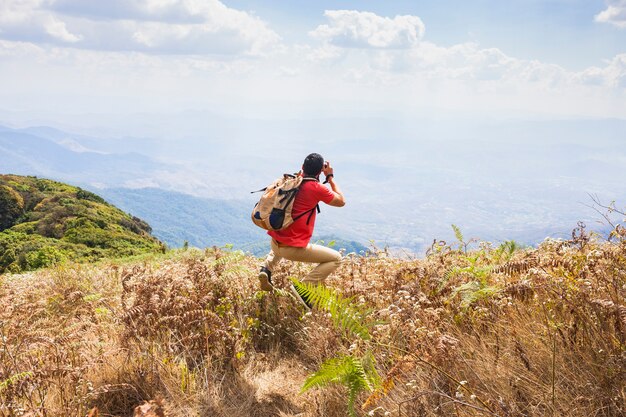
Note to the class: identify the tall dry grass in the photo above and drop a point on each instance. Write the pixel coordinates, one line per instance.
(495, 331)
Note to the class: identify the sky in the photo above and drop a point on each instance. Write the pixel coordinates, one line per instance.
(514, 59)
(498, 116)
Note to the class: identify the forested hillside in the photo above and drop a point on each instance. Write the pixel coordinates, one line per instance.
(43, 222)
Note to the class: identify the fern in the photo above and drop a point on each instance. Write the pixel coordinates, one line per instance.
(463, 245)
(345, 315)
(506, 250)
(478, 272)
(474, 291)
(458, 234)
(355, 374)
(451, 273)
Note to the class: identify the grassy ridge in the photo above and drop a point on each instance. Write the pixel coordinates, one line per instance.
(498, 331)
(43, 222)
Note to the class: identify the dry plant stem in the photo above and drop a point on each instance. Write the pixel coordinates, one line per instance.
(553, 370)
(444, 373)
(596, 200)
(607, 210)
(441, 394)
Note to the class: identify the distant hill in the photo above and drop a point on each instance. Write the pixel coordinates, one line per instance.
(177, 218)
(38, 151)
(43, 222)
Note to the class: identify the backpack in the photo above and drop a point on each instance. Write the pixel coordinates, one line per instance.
(273, 211)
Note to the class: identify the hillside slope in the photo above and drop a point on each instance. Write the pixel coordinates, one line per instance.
(43, 222)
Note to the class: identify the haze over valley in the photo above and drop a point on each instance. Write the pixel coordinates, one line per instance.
(406, 183)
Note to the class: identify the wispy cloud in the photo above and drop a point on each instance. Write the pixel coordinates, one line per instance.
(615, 13)
(192, 27)
(611, 75)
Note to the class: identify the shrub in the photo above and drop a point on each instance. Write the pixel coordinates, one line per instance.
(11, 207)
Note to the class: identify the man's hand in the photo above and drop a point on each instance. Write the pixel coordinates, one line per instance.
(338, 200)
(327, 170)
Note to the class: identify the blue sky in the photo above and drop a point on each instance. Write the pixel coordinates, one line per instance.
(559, 31)
(504, 59)
(526, 98)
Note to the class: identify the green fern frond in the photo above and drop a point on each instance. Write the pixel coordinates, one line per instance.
(458, 234)
(331, 371)
(371, 375)
(473, 291)
(507, 249)
(448, 276)
(355, 374)
(344, 313)
(465, 288)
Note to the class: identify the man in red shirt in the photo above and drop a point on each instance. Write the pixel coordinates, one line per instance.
(292, 243)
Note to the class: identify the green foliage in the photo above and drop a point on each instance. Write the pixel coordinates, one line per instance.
(474, 270)
(88, 195)
(356, 374)
(45, 256)
(345, 314)
(11, 206)
(505, 251)
(45, 222)
(474, 291)
(463, 245)
(458, 234)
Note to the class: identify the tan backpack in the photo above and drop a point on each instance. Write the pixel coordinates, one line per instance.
(273, 211)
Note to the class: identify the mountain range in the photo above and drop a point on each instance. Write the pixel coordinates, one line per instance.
(405, 184)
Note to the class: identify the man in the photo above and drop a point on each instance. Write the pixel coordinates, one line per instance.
(292, 243)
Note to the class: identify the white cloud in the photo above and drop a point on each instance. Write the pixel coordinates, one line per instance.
(466, 61)
(146, 63)
(354, 29)
(19, 49)
(395, 46)
(615, 14)
(612, 75)
(373, 49)
(170, 11)
(22, 21)
(152, 26)
(57, 29)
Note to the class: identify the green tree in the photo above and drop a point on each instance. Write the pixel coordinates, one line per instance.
(11, 206)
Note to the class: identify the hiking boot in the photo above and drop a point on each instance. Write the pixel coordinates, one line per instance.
(265, 279)
(301, 297)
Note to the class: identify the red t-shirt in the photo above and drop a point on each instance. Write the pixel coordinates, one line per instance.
(299, 233)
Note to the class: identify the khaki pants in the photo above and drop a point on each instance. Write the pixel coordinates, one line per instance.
(327, 258)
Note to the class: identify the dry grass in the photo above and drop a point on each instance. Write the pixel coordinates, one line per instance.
(538, 332)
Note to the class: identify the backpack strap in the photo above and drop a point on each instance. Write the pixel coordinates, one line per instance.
(289, 195)
(317, 207)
